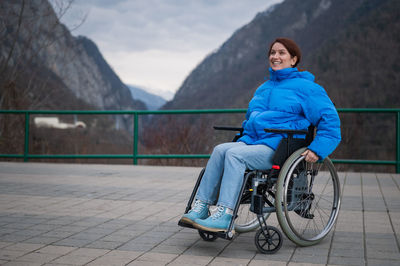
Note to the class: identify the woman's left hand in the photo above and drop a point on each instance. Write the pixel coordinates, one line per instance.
(310, 156)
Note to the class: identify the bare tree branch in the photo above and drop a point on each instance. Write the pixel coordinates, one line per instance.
(15, 38)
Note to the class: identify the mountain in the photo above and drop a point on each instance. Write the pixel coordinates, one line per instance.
(152, 101)
(123, 94)
(350, 46)
(48, 68)
(343, 44)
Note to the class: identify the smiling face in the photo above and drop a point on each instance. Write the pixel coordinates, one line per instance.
(280, 58)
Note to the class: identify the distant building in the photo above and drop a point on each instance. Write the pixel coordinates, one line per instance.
(54, 122)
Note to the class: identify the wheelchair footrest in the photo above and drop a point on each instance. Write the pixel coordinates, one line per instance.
(226, 235)
(223, 234)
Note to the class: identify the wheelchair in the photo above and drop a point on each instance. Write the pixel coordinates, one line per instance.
(305, 196)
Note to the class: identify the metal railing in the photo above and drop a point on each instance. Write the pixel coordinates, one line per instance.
(135, 155)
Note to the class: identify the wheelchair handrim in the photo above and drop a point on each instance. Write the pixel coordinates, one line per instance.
(335, 203)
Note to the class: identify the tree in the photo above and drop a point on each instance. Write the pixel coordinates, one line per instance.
(27, 30)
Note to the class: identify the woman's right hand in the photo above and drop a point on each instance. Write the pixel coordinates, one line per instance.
(310, 156)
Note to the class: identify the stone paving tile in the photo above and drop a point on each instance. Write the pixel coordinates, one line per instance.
(73, 260)
(104, 244)
(178, 249)
(267, 263)
(156, 257)
(117, 238)
(238, 253)
(348, 261)
(203, 248)
(80, 256)
(73, 242)
(222, 261)
(62, 214)
(11, 254)
(136, 247)
(312, 251)
(42, 240)
(38, 257)
(304, 264)
(23, 263)
(348, 253)
(191, 260)
(26, 247)
(384, 255)
(146, 263)
(115, 258)
(58, 250)
(307, 258)
(381, 262)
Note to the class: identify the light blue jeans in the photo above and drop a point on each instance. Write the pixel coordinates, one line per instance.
(223, 177)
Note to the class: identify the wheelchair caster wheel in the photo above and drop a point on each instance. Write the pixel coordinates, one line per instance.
(268, 240)
(208, 236)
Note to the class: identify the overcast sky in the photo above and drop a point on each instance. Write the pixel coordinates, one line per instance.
(156, 43)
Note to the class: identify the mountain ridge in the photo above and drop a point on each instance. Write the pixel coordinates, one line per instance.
(37, 46)
(236, 69)
(350, 47)
(151, 100)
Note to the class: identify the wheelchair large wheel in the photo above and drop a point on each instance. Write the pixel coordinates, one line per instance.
(246, 220)
(308, 199)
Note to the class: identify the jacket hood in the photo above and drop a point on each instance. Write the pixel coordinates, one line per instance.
(287, 73)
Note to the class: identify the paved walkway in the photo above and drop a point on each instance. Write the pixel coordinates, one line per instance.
(67, 214)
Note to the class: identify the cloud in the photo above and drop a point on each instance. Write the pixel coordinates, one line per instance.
(144, 39)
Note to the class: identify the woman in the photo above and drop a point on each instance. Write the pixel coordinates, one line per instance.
(289, 100)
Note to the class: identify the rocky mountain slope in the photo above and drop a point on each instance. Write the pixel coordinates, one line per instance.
(343, 44)
(49, 68)
(350, 46)
(152, 101)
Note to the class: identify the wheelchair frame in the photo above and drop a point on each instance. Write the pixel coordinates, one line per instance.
(285, 188)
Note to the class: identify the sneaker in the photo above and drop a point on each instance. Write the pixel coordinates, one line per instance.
(217, 222)
(199, 211)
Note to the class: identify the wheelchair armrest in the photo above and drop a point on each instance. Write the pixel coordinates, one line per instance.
(240, 129)
(287, 131)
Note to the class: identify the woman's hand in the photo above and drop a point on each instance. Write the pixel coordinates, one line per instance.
(310, 156)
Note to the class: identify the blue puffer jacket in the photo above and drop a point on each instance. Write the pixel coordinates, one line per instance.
(292, 100)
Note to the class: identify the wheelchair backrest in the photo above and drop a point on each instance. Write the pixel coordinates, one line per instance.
(289, 145)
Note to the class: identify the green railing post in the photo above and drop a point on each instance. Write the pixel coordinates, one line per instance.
(26, 144)
(398, 143)
(135, 136)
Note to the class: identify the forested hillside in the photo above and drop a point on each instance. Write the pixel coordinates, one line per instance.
(39, 57)
(343, 43)
(44, 67)
(350, 46)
